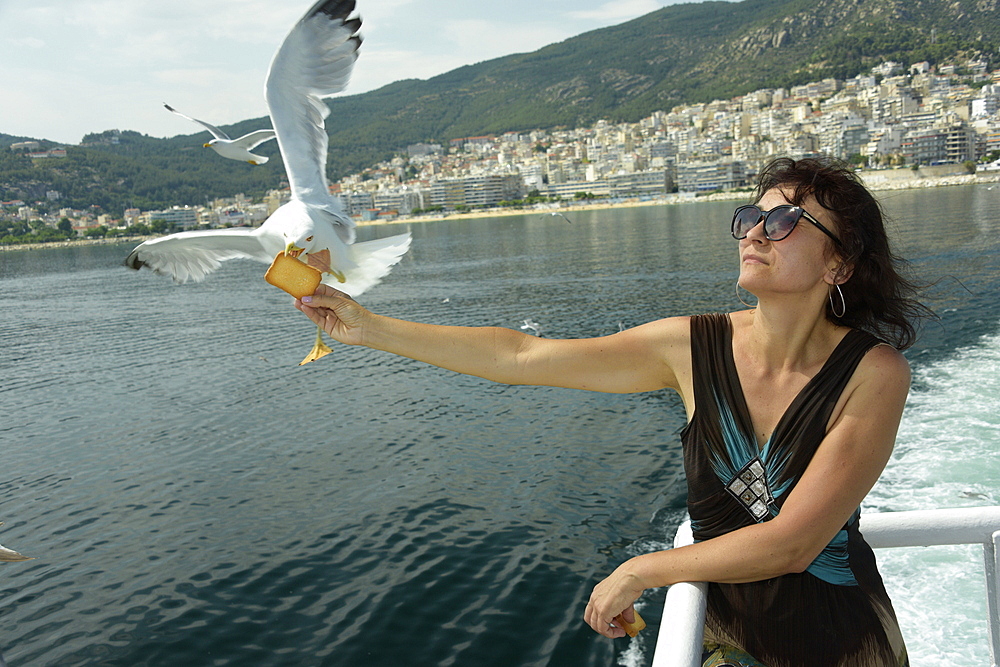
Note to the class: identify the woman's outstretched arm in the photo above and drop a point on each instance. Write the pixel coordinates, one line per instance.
(641, 359)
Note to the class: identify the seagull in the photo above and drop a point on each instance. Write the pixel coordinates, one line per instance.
(533, 326)
(234, 149)
(561, 216)
(314, 61)
(11, 556)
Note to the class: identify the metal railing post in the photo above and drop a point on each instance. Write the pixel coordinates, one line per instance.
(991, 550)
(682, 626)
(680, 634)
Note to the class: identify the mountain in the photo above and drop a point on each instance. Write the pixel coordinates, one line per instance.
(679, 54)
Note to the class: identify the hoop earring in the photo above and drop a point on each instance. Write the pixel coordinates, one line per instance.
(739, 297)
(843, 303)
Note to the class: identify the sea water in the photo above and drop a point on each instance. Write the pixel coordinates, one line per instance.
(194, 497)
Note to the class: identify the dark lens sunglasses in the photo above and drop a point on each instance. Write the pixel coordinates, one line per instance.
(778, 222)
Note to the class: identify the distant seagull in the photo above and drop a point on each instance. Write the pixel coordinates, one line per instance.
(234, 149)
(533, 326)
(561, 216)
(11, 556)
(314, 61)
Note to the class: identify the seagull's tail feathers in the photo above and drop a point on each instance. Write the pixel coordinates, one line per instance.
(374, 260)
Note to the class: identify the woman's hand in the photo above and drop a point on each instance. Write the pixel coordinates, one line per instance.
(340, 316)
(615, 595)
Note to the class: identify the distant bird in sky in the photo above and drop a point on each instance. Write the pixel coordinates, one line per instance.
(314, 61)
(11, 556)
(234, 149)
(561, 216)
(534, 327)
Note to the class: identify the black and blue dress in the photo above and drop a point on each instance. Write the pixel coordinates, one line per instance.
(837, 612)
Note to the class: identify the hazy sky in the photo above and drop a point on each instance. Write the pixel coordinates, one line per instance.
(70, 67)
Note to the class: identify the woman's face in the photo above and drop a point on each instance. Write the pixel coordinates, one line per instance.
(799, 262)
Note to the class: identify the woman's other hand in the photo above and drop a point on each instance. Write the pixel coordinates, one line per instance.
(615, 595)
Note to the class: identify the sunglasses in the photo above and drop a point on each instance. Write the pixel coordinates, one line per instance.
(778, 222)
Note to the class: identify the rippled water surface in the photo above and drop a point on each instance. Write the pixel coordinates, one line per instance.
(195, 497)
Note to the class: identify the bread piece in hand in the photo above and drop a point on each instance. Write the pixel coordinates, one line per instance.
(631, 629)
(293, 275)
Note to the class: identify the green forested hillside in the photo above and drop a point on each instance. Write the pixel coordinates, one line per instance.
(678, 54)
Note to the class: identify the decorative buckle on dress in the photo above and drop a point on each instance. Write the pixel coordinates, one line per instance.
(749, 486)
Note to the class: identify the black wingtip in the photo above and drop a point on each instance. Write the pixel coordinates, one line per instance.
(335, 9)
(133, 262)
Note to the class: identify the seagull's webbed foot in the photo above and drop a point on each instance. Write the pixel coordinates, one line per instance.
(319, 350)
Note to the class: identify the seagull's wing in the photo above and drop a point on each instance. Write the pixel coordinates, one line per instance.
(193, 255)
(216, 132)
(254, 139)
(11, 556)
(314, 61)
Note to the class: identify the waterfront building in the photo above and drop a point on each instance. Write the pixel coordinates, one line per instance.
(650, 183)
(182, 217)
(708, 176)
(570, 189)
(403, 199)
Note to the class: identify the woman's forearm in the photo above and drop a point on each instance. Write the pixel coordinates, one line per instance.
(634, 360)
(487, 352)
(749, 554)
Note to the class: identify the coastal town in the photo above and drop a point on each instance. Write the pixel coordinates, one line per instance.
(896, 123)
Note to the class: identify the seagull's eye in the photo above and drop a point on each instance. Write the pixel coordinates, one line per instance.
(309, 238)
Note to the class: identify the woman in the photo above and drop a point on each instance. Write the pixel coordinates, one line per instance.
(792, 409)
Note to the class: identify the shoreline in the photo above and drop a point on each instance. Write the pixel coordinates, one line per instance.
(879, 183)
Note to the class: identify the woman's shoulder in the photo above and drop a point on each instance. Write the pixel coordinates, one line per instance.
(883, 368)
(678, 326)
(883, 356)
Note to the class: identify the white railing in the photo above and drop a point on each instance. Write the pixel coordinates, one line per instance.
(679, 641)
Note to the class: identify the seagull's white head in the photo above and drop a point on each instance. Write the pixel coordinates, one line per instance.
(296, 247)
(300, 238)
(309, 248)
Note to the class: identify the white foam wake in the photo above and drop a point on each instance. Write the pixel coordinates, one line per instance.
(945, 457)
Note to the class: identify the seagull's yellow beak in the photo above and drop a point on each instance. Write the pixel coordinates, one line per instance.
(293, 250)
(206, 145)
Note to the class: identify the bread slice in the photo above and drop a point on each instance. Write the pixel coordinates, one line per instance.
(631, 629)
(293, 275)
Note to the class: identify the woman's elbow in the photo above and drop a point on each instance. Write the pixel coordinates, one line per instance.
(798, 557)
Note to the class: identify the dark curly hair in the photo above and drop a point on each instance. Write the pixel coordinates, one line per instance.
(877, 298)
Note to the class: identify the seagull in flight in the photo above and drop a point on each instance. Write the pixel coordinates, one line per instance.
(314, 61)
(534, 327)
(561, 216)
(234, 149)
(11, 556)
